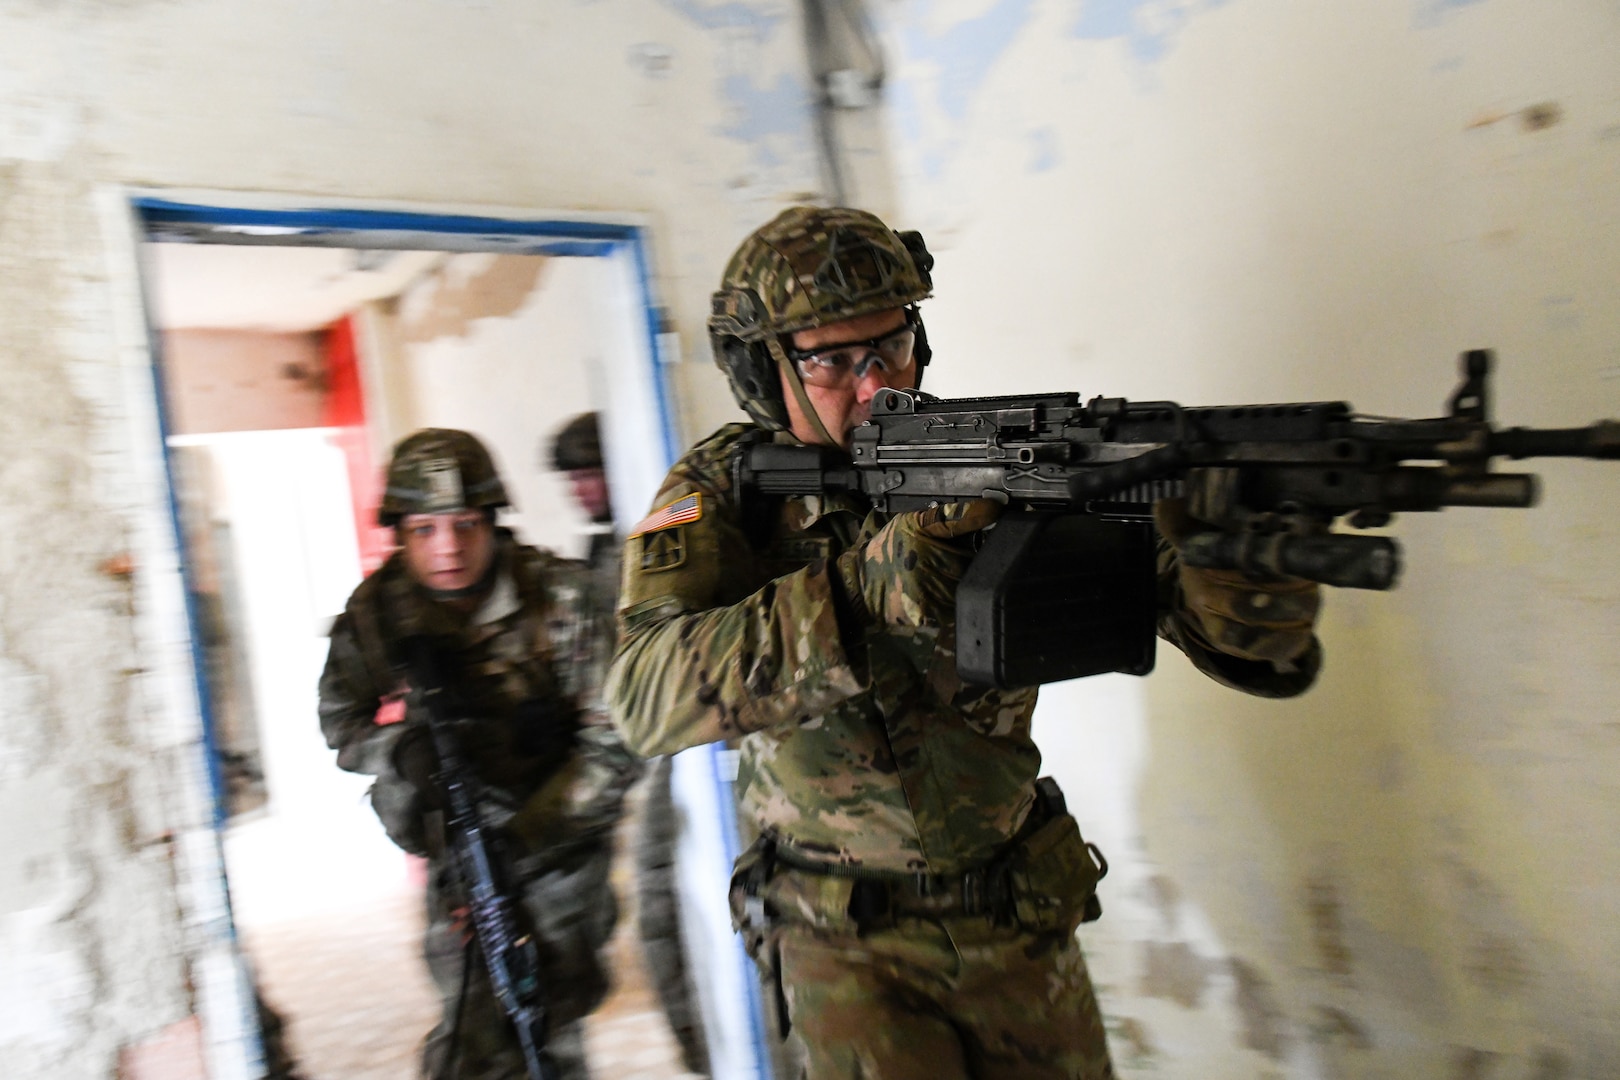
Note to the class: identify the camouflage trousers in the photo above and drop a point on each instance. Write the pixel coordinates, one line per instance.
(658, 917)
(571, 910)
(945, 997)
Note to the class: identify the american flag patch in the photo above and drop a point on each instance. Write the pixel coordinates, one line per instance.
(679, 512)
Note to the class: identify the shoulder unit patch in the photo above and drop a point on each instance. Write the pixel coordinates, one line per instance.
(663, 550)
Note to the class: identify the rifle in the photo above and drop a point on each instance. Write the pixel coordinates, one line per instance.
(1069, 587)
(510, 955)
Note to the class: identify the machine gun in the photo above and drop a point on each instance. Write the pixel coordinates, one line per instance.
(510, 954)
(1069, 587)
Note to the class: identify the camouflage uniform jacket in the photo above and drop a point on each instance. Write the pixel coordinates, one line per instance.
(850, 752)
(602, 562)
(520, 668)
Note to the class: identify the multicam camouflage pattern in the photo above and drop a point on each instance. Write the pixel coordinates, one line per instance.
(883, 580)
(516, 665)
(874, 755)
(807, 267)
(437, 470)
(944, 998)
(812, 265)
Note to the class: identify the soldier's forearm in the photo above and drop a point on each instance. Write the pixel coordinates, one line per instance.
(685, 679)
(362, 746)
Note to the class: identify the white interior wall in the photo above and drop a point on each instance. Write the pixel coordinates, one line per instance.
(1405, 872)
(688, 111)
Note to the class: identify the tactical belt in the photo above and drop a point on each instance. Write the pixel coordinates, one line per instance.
(878, 897)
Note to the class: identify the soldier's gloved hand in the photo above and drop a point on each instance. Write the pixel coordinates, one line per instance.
(906, 575)
(1252, 619)
(416, 762)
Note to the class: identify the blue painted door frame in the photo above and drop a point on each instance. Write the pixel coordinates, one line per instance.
(169, 220)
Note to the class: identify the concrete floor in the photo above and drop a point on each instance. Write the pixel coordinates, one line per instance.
(357, 999)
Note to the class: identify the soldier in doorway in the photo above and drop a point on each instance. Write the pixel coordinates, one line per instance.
(510, 623)
(576, 450)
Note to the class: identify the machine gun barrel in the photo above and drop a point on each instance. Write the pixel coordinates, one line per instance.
(1599, 440)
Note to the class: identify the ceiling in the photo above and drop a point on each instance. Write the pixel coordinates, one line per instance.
(281, 289)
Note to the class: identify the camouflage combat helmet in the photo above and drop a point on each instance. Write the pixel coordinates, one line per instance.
(577, 445)
(807, 267)
(437, 470)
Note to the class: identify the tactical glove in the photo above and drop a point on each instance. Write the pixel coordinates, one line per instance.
(416, 762)
(906, 576)
(1249, 618)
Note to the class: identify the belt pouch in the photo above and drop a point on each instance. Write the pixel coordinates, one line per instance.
(1054, 878)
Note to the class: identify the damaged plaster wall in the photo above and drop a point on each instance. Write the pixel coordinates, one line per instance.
(1405, 873)
(692, 112)
(1409, 871)
(501, 345)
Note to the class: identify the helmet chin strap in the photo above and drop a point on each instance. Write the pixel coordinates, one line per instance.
(790, 377)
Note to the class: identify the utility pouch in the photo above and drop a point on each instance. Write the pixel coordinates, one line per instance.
(746, 898)
(820, 901)
(1054, 875)
(750, 877)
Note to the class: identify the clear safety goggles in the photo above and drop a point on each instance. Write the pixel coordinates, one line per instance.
(837, 366)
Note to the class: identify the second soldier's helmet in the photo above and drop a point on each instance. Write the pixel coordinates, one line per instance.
(577, 445)
(438, 470)
(807, 267)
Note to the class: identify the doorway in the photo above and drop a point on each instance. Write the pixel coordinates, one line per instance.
(293, 348)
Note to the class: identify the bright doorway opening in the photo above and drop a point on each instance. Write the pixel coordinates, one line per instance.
(294, 347)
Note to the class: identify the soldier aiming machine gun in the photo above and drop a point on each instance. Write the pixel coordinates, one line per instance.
(1068, 588)
(509, 954)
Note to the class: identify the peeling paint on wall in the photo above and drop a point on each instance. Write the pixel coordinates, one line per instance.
(1044, 154)
(466, 289)
(1336, 1027)
(1148, 27)
(1494, 954)
(1325, 911)
(769, 116)
(760, 20)
(1427, 13)
(1265, 1027)
(1128, 1038)
(960, 59)
(1550, 1065)
(967, 51)
(1165, 896)
(1498, 965)
(1173, 971)
(1472, 1063)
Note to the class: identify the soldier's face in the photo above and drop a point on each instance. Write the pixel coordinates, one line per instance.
(591, 493)
(844, 408)
(447, 551)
